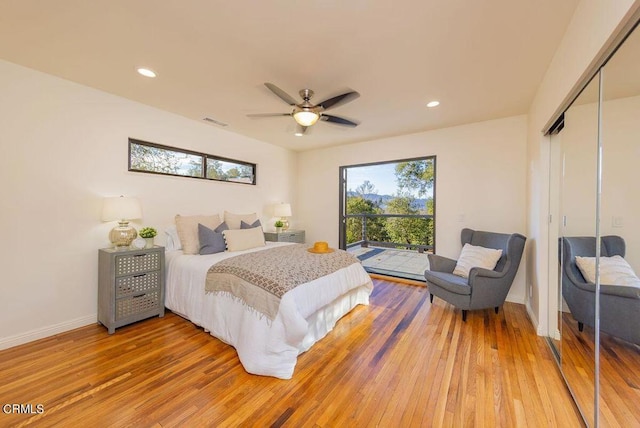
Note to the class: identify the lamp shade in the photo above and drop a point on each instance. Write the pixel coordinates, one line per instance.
(282, 210)
(121, 208)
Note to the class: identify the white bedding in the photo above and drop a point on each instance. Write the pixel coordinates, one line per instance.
(307, 313)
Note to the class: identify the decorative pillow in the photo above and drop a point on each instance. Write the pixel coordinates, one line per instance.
(212, 241)
(613, 271)
(244, 239)
(188, 230)
(173, 240)
(245, 225)
(474, 256)
(233, 220)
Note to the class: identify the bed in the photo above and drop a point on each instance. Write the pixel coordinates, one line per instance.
(266, 345)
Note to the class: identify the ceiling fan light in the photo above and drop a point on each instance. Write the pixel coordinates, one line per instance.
(306, 117)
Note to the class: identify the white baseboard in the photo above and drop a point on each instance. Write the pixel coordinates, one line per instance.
(516, 298)
(534, 320)
(30, 336)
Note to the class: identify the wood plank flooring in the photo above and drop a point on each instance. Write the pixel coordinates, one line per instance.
(400, 361)
(619, 374)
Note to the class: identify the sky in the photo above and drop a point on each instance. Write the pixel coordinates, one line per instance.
(382, 177)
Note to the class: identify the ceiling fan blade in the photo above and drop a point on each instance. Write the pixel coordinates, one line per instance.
(339, 100)
(268, 114)
(338, 120)
(281, 94)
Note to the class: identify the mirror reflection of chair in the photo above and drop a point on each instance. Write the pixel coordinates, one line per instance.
(484, 288)
(620, 304)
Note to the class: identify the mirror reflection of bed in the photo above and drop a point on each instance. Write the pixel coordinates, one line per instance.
(613, 381)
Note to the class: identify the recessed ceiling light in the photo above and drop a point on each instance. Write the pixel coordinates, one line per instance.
(433, 104)
(298, 134)
(146, 72)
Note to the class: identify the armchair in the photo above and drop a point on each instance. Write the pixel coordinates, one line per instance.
(484, 288)
(619, 305)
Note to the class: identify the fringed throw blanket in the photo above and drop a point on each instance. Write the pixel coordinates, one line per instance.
(261, 278)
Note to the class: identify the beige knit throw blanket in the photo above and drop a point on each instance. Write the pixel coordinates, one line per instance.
(261, 278)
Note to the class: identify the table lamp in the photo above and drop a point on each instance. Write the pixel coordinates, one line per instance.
(283, 211)
(121, 209)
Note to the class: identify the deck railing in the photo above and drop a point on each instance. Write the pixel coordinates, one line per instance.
(423, 244)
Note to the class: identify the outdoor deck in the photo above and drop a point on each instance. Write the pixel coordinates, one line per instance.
(408, 264)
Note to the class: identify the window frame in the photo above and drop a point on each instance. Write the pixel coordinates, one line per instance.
(205, 157)
(342, 204)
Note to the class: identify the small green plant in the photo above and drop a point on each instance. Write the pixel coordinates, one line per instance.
(279, 223)
(148, 232)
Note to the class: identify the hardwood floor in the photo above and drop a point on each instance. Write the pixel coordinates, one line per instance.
(400, 361)
(619, 374)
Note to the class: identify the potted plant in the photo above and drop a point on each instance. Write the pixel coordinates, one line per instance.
(278, 224)
(148, 233)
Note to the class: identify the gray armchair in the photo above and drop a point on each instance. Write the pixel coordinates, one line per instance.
(484, 288)
(619, 305)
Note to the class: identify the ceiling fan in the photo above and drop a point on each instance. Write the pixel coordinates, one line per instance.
(307, 114)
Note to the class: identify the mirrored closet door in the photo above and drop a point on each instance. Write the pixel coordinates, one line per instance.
(575, 175)
(619, 345)
(594, 242)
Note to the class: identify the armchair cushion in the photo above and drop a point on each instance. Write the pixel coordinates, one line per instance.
(449, 282)
(476, 256)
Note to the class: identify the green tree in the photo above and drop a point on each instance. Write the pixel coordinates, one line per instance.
(357, 203)
(415, 175)
(214, 169)
(147, 158)
(408, 230)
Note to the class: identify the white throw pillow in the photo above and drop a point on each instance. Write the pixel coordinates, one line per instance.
(233, 220)
(613, 271)
(474, 256)
(188, 230)
(244, 239)
(173, 240)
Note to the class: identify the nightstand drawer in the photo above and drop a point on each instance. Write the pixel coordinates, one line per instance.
(136, 284)
(137, 305)
(291, 237)
(129, 264)
(287, 236)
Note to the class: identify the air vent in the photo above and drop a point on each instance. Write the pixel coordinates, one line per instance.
(217, 122)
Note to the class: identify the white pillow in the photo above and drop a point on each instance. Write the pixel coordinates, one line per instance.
(233, 220)
(188, 230)
(474, 256)
(244, 239)
(173, 240)
(613, 271)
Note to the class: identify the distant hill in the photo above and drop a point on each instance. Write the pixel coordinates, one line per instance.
(383, 200)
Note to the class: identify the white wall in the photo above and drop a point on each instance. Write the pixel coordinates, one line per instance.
(64, 147)
(480, 175)
(593, 24)
(620, 172)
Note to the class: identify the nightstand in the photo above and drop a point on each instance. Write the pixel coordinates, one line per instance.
(130, 285)
(287, 236)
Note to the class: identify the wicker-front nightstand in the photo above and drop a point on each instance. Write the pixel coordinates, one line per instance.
(130, 286)
(287, 236)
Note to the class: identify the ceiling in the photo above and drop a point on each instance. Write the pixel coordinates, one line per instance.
(481, 59)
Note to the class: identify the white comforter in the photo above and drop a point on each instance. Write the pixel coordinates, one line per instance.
(307, 313)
